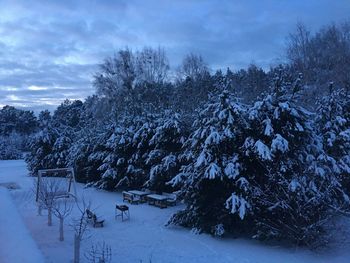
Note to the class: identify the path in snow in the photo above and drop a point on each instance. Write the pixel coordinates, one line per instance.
(16, 243)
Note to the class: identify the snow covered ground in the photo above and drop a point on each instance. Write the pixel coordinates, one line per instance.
(144, 238)
(17, 245)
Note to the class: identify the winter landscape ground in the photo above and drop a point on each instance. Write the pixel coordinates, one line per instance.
(25, 236)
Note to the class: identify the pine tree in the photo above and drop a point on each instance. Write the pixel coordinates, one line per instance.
(41, 145)
(212, 183)
(285, 163)
(333, 123)
(10, 147)
(166, 145)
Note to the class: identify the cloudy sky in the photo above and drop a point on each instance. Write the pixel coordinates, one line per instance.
(49, 50)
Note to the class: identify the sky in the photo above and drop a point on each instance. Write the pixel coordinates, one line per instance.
(49, 50)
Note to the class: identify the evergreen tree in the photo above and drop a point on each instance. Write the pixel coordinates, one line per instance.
(333, 123)
(287, 168)
(41, 145)
(10, 147)
(166, 145)
(212, 180)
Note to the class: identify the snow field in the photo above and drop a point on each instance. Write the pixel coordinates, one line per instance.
(142, 239)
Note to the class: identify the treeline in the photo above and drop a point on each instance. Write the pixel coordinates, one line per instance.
(16, 126)
(250, 151)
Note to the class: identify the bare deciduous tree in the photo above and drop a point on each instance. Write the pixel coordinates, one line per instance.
(322, 56)
(116, 74)
(100, 253)
(80, 225)
(152, 65)
(47, 193)
(193, 66)
(62, 209)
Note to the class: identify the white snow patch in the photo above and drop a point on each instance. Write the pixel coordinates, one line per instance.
(262, 150)
(232, 169)
(238, 205)
(268, 127)
(213, 171)
(279, 144)
(213, 138)
(294, 184)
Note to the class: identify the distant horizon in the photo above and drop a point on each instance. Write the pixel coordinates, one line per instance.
(50, 50)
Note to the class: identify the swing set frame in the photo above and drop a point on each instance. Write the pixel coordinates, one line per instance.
(69, 175)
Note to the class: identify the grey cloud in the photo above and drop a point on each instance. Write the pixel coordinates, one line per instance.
(58, 44)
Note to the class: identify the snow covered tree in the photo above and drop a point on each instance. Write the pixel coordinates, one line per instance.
(115, 155)
(10, 147)
(13, 120)
(87, 141)
(51, 146)
(60, 149)
(287, 168)
(68, 114)
(166, 145)
(333, 123)
(139, 151)
(262, 171)
(41, 145)
(212, 180)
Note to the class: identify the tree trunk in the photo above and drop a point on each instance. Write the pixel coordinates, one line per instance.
(76, 249)
(39, 210)
(49, 217)
(61, 229)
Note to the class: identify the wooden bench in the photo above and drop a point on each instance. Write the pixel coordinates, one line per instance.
(92, 219)
(122, 210)
(132, 199)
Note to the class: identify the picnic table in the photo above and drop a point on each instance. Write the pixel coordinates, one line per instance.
(157, 200)
(141, 195)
